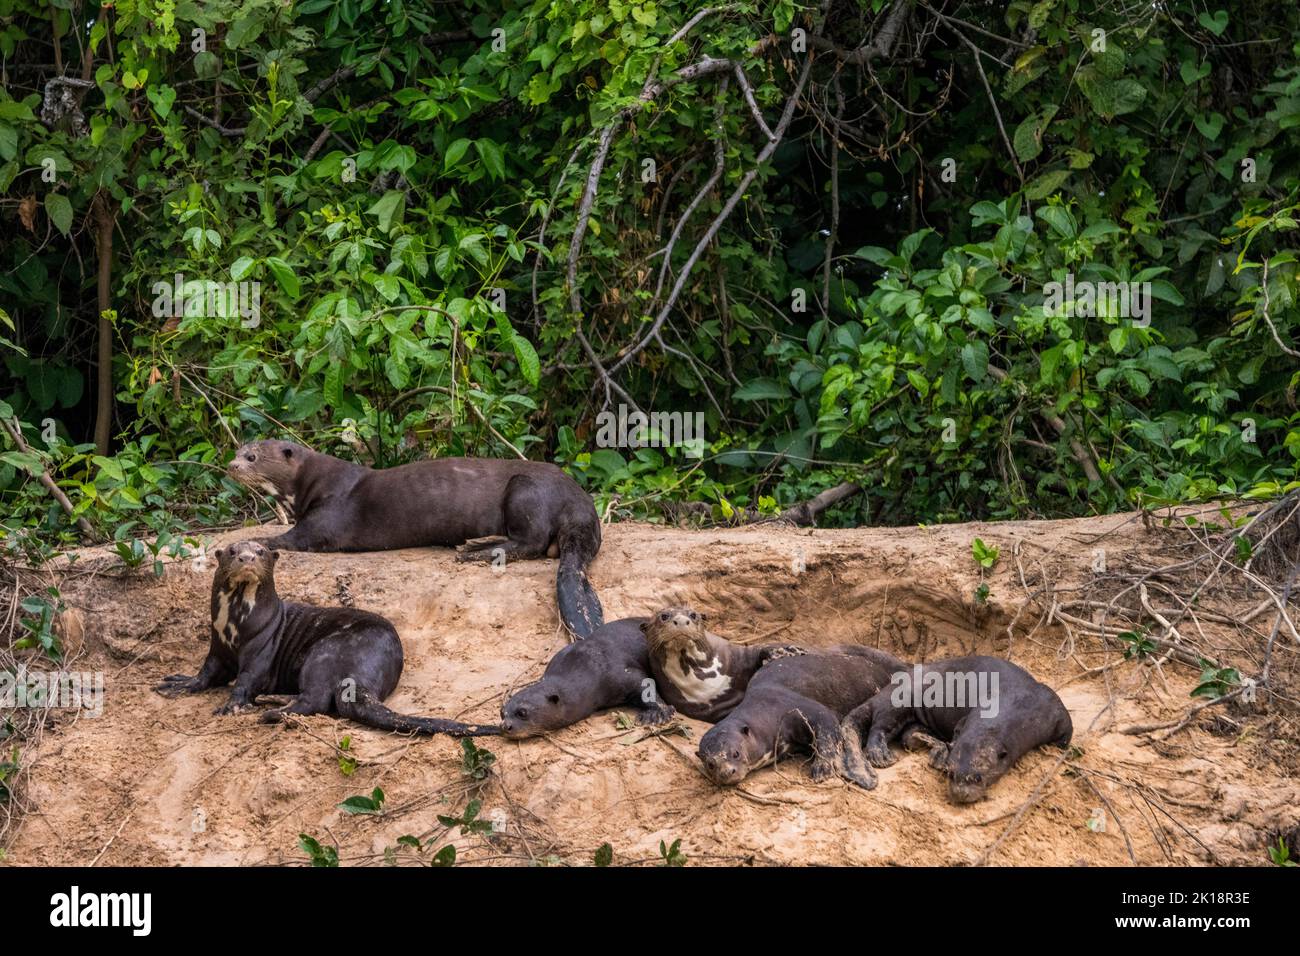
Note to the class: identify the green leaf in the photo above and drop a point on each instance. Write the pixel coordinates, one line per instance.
(761, 389)
(493, 157)
(1109, 96)
(1209, 125)
(1216, 23)
(284, 276)
(241, 267)
(1028, 138)
(1191, 73)
(1059, 218)
(1045, 185)
(529, 365)
(59, 210)
(445, 857)
(389, 208)
(455, 153)
(975, 360)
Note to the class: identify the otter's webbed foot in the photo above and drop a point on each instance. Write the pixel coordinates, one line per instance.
(879, 754)
(914, 738)
(855, 770)
(821, 769)
(236, 705)
(939, 754)
(769, 654)
(651, 715)
(176, 684)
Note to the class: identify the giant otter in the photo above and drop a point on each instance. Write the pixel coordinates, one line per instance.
(991, 711)
(336, 660)
(525, 509)
(796, 703)
(607, 669)
(700, 674)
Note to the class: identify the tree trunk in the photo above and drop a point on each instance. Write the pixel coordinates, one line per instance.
(104, 374)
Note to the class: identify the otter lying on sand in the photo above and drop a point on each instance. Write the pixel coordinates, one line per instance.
(513, 510)
(607, 669)
(796, 704)
(986, 712)
(336, 660)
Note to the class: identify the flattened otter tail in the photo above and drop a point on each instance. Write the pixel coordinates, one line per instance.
(366, 710)
(580, 608)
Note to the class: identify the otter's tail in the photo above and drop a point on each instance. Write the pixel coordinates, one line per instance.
(369, 711)
(580, 608)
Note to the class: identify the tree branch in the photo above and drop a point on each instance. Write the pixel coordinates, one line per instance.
(16, 433)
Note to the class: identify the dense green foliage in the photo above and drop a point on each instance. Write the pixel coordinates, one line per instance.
(405, 179)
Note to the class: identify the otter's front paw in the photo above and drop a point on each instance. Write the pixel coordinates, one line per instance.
(776, 653)
(862, 776)
(822, 769)
(915, 738)
(176, 684)
(233, 706)
(939, 757)
(879, 755)
(653, 714)
(854, 769)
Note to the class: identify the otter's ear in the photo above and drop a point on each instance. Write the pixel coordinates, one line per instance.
(275, 556)
(288, 451)
(645, 626)
(218, 553)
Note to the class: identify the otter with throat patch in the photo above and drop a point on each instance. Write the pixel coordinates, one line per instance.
(698, 673)
(796, 704)
(985, 712)
(336, 660)
(494, 509)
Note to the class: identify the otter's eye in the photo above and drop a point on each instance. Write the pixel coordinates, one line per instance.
(521, 713)
(252, 457)
(745, 729)
(288, 453)
(553, 698)
(664, 615)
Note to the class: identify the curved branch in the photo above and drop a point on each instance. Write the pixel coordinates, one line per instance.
(727, 208)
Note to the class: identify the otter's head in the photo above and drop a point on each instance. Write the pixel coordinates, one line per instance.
(270, 466)
(977, 759)
(674, 630)
(245, 562)
(730, 751)
(558, 699)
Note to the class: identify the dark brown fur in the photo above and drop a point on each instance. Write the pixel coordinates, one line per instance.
(608, 669)
(969, 743)
(497, 510)
(336, 660)
(796, 704)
